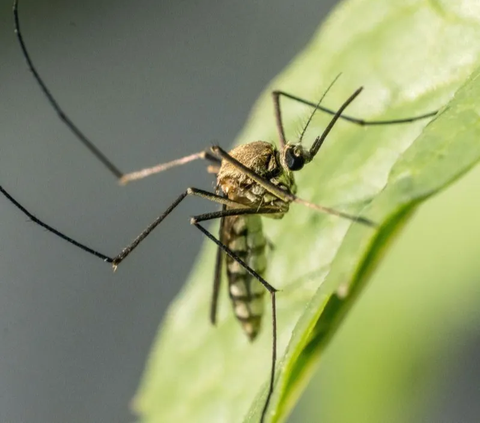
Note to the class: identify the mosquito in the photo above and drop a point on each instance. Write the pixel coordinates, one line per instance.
(253, 180)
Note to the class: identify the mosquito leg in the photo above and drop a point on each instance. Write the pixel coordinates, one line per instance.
(61, 114)
(362, 122)
(217, 278)
(126, 251)
(143, 173)
(53, 230)
(190, 191)
(274, 357)
(319, 140)
(278, 119)
(233, 212)
(272, 292)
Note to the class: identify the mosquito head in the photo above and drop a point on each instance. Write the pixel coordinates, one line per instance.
(295, 156)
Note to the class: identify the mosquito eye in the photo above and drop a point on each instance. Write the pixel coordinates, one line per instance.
(293, 161)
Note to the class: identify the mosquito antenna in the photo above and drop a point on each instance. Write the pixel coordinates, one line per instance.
(317, 107)
(61, 114)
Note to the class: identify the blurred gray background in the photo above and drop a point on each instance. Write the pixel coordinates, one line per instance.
(148, 81)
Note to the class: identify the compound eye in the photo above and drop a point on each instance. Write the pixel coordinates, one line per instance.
(293, 161)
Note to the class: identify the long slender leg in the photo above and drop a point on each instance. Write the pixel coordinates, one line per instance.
(190, 191)
(53, 230)
(319, 140)
(61, 114)
(126, 251)
(272, 292)
(143, 173)
(217, 276)
(362, 122)
(233, 212)
(279, 119)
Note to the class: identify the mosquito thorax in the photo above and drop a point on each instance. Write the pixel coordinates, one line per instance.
(265, 160)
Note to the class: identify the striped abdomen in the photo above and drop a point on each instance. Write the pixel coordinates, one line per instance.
(244, 236)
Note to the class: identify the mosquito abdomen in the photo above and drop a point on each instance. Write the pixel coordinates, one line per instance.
(244, 236)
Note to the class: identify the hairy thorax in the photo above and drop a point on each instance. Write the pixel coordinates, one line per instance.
(264, 159)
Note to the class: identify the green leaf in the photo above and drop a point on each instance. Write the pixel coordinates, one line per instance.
(413, 328)
(411, 56)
